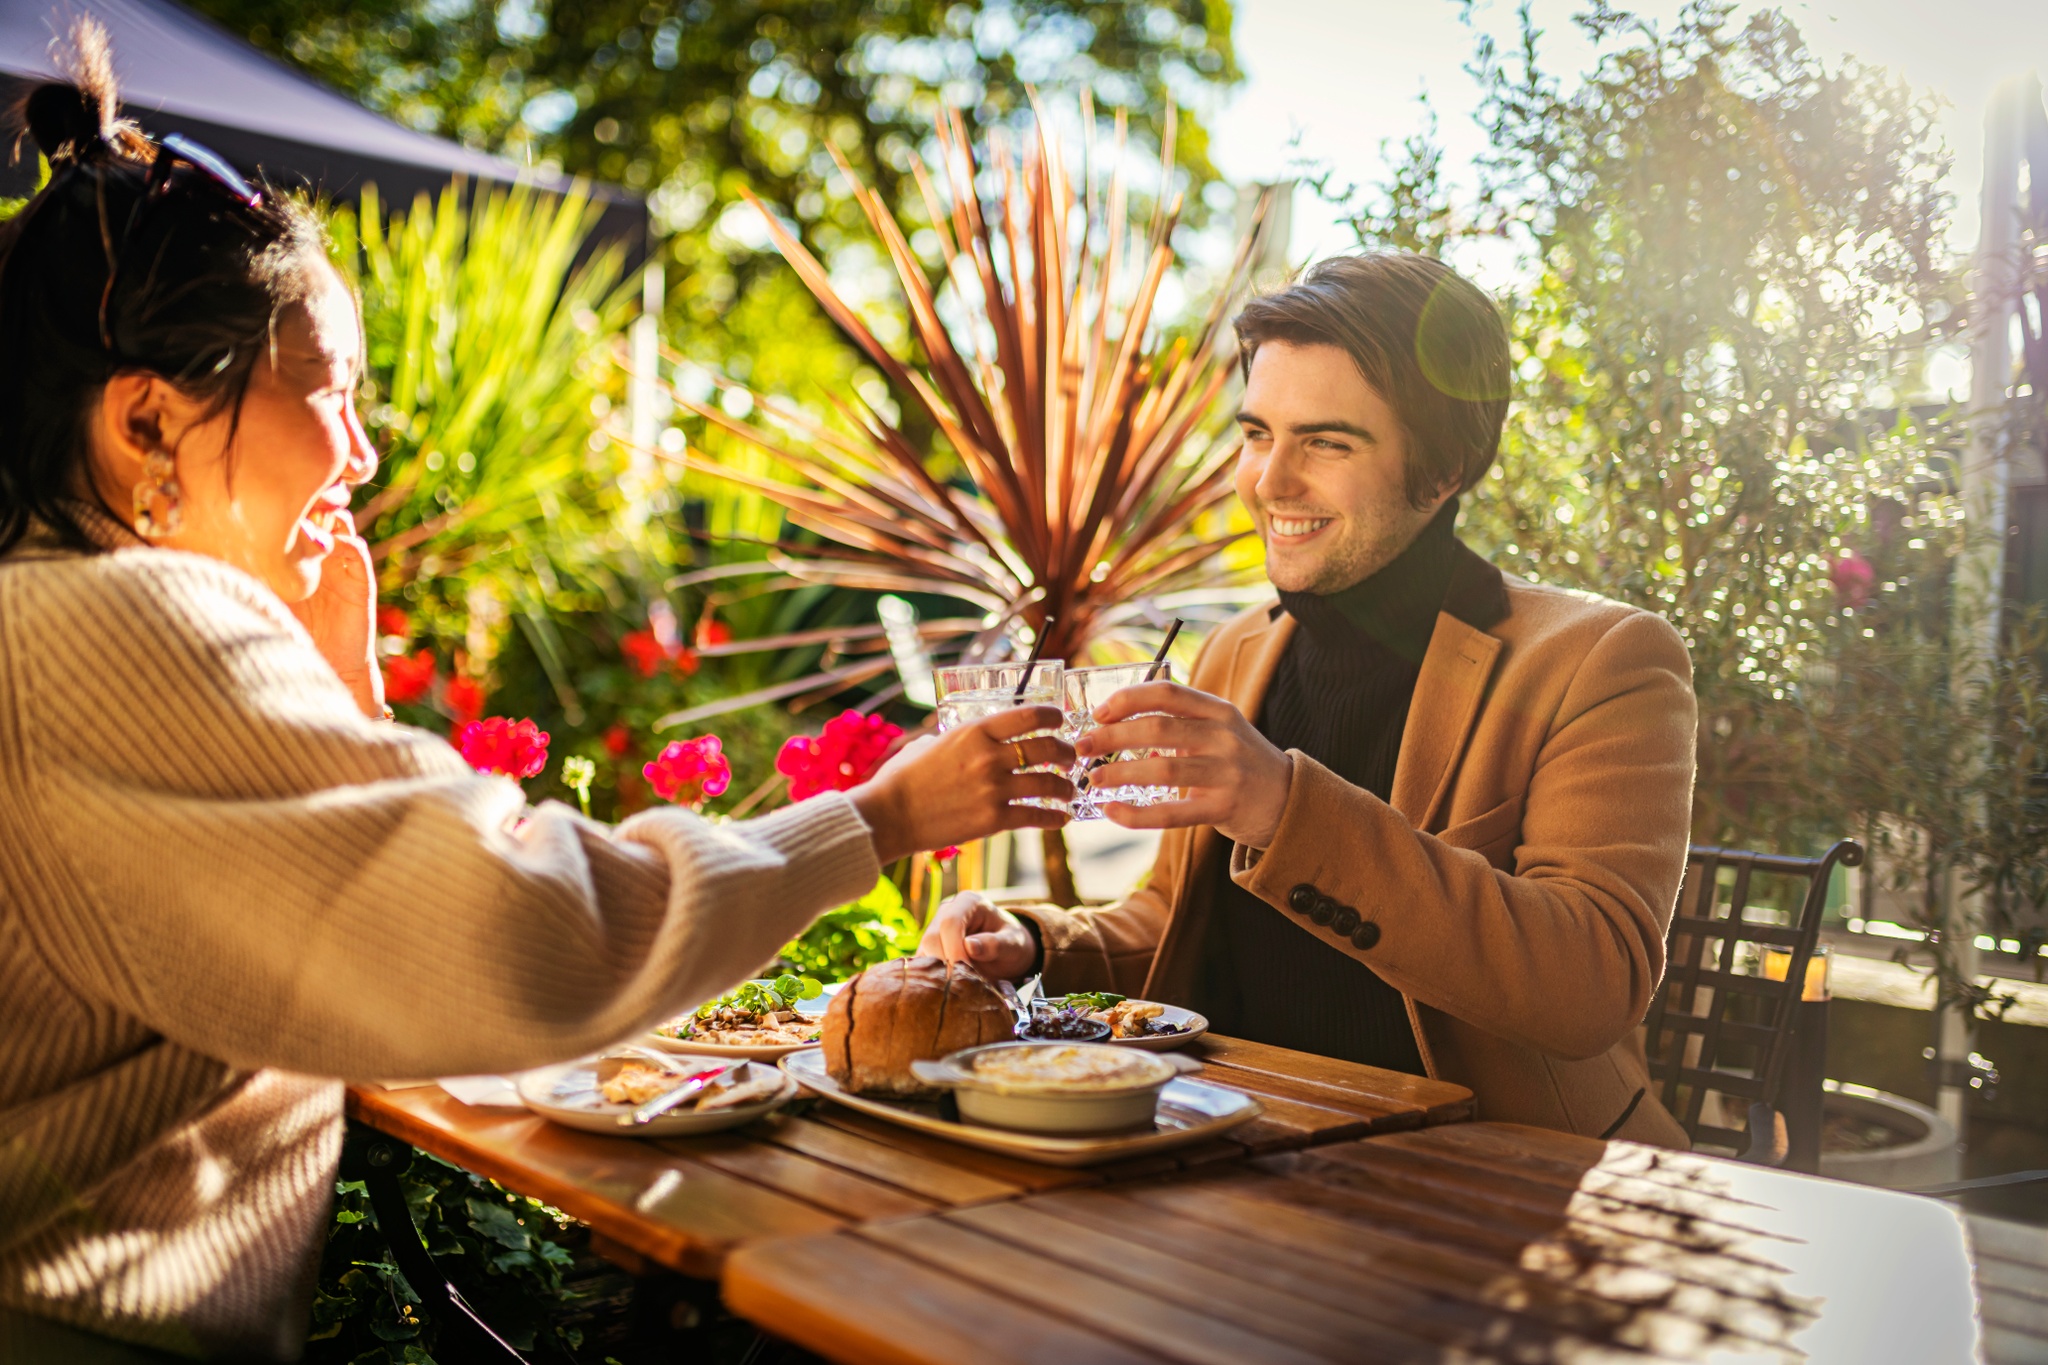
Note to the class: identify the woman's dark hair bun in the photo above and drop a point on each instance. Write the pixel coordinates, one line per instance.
(63, 120)
(80, 118)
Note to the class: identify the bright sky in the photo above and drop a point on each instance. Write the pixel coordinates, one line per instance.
(1344, 75)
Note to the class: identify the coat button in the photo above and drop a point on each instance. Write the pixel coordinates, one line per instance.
(1325, 910)
(1365, 935)
(1302, 899)
(1346, 920)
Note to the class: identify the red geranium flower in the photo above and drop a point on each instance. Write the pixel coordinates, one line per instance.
(685, 662)
(712, 631)
(617, 741)
(689, 772)
(406, 680)
(1853, 577)
(842, 757)
(463, 699)
(516, 748)
(948, 853)
(644, 652)
(393, 621)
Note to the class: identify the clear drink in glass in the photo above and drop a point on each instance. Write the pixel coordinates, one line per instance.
(1087, 689)
(972, 692)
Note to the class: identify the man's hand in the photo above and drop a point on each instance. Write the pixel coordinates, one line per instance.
(966, 928)
(1229, 774)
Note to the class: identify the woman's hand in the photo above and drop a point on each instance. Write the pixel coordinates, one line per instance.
(967, 928)
(341, 616)
(950, 788)
(1230, 776)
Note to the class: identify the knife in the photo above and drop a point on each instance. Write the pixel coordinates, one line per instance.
(662, 1103)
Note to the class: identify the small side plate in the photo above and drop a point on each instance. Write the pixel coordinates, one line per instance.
(567, 1094)
(1196, 1026)
(1189, 1111)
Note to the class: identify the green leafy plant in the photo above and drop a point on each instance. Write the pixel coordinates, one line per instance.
(507, 1255)
(846, 941)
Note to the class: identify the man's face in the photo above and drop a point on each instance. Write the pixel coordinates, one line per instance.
(1323, 469)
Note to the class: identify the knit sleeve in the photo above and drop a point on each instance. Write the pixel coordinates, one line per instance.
(231, 852)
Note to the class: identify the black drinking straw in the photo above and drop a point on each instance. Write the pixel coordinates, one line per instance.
(1031, 664)
(1157, 659)
(1164, 645)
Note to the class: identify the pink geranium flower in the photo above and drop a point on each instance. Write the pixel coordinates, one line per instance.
(516, 748)
(689, 772)
(849, 749)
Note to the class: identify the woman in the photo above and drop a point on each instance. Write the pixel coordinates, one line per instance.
(226, 880)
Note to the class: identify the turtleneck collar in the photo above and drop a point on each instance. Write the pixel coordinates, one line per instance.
(1395, 608)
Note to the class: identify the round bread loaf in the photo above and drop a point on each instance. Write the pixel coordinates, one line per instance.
(908, 1010)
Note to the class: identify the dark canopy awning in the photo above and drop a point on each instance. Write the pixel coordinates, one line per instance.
(180, 72)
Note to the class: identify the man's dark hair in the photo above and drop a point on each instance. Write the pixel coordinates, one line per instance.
(1423, 335)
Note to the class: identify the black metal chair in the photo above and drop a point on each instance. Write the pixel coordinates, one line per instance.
(1720, 1025)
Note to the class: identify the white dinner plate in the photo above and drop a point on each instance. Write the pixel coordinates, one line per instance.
(1189, 1111)
(567, 1094)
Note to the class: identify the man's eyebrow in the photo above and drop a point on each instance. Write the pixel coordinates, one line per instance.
(1311, 428)
(1347, 428)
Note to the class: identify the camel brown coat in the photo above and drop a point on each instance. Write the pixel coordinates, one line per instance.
(1521, 878)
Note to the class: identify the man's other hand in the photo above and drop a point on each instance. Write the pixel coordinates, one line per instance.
(967, 928)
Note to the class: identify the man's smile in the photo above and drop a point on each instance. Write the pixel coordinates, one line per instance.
(1295, 530)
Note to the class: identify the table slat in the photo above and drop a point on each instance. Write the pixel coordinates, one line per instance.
(1059, 1285)
(1368, 1090)
(863, 1301)
(946, 1181)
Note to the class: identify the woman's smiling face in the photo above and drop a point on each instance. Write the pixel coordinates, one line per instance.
(266, 487)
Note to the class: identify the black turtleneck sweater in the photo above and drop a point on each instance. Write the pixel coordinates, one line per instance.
(1340, 694)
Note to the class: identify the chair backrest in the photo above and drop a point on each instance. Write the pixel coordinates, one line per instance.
(1719, 1024)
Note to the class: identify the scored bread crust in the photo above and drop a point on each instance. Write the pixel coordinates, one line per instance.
(907, 1010)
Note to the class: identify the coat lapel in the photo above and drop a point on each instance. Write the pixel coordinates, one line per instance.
(1448, 691)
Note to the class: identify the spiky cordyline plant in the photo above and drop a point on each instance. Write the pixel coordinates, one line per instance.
(1094, 460)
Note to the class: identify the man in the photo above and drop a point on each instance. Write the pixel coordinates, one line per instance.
(1432, 817)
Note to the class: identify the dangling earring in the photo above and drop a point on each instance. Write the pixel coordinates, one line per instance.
(158, 512)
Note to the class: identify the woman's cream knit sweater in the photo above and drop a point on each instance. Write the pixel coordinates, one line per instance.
(223, 892)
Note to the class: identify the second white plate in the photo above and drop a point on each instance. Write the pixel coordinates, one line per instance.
(568, 1095)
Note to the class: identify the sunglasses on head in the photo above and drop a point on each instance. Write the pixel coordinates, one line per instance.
(173, 150)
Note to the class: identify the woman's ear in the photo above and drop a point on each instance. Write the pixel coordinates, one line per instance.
(138, 415)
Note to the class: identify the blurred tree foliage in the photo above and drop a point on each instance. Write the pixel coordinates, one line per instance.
(688, 100)
(1733, 274)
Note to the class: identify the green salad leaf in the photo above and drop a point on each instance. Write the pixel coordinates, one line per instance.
(1092, 1000)
(765, 997)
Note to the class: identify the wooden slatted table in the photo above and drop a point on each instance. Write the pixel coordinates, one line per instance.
(1473, 1242)
(685, 1203)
